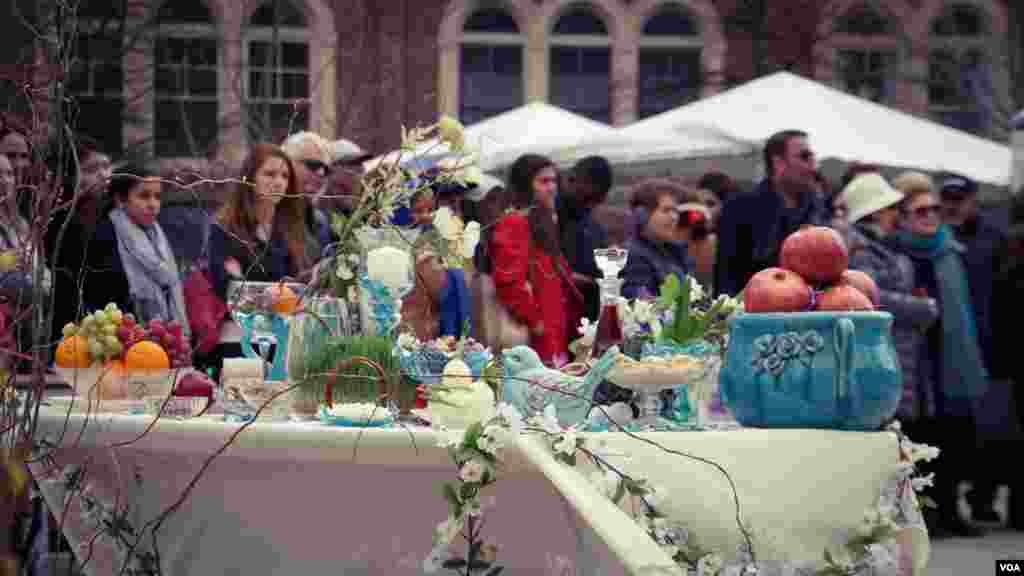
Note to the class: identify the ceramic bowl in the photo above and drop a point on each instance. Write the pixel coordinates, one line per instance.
(834, 370)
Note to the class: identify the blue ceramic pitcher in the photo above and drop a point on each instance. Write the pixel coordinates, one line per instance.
(836, 370)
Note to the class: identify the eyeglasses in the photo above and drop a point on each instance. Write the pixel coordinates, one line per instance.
(926, 211)
(806, 155)
(316, 166)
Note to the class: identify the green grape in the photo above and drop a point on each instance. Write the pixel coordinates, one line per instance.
(114, 348)
(95, 349)
(116, 317)
(110, 340)
(69, 330)
(111, 307)
(100, 317)
(110, 329)
(87, 321)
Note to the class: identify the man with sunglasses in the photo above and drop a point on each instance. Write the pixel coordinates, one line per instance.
(753, 226)
(310, 155)
(982, 242)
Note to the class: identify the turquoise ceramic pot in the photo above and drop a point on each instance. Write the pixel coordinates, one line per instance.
(812, 370)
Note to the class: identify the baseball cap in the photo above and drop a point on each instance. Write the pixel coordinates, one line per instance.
(956, 186)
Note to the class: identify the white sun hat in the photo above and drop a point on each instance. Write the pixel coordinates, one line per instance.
(866, 194)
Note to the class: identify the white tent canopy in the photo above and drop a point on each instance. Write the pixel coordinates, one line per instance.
(840, 126)
(631, 146)
(536, 128)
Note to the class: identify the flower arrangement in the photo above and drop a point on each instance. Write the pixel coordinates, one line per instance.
(390, 183)
(683, 314)
(424, 361)
(455, 242)
(694, 316)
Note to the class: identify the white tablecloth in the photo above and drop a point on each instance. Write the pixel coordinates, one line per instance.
(307, 499)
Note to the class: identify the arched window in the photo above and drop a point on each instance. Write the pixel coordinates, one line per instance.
(96, 84)
(670, 73)
(960, 84)
(186, 60)
(581, 63)
(492, 64)
(867, 53)
(277, 64)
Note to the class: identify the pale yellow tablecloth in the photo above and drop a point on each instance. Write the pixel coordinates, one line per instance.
(262, 501)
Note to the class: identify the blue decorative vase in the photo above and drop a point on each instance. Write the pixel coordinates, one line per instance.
(262, 332)
(812, 370)
(383, 306)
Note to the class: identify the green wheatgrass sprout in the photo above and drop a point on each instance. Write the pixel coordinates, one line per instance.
(356, 383)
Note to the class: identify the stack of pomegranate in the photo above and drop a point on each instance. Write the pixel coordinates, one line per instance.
(812, 276)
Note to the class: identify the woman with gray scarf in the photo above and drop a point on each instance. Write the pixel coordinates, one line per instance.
(130, 261)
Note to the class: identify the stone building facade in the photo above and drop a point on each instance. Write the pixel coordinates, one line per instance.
(205, 74)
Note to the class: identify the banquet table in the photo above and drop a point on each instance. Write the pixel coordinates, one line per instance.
(304, 498)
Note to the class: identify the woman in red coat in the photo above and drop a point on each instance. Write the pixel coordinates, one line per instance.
(531, 278)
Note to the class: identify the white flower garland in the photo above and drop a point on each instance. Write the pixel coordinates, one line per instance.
(870, 550)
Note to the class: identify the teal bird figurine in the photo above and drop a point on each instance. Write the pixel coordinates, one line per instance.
(531, 386)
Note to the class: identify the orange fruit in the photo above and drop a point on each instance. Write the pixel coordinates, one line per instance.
(146, 356)
(73, 352)
(283, 300)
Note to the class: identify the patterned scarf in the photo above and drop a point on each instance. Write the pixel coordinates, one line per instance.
(963, 371)
(148, 262)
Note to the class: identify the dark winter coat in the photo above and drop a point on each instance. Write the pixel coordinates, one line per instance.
(648, 265)
(751, 230)
(982, 242)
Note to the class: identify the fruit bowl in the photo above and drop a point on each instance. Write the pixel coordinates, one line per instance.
(832, 370)
(97, 382)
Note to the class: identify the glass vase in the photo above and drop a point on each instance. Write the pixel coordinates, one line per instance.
(386, 275)
(690, 405)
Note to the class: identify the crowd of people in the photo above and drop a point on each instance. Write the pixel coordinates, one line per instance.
(946, 275)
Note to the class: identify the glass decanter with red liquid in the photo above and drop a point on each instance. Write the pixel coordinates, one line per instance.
(610, 261)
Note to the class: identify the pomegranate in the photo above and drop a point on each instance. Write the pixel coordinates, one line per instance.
(776, 290)
(843, 298)
(862, 281)
(816, 253)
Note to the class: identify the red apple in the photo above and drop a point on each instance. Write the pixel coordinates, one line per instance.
(843, 298)
(862, 281)
(776, 290)
(816, 253)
